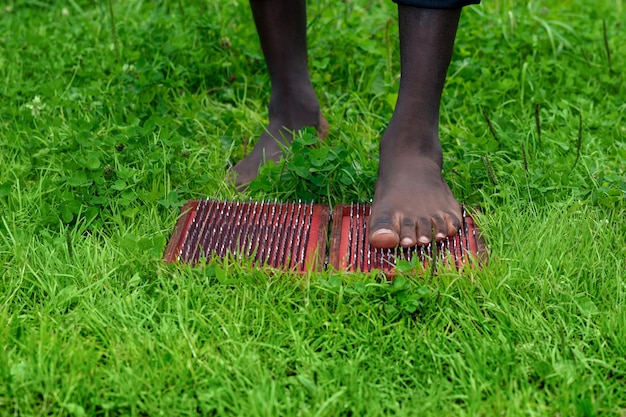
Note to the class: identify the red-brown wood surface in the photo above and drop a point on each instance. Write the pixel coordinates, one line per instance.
(179, 235)
(352, 252)
(292, 236)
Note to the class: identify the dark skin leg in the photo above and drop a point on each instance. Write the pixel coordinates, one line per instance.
(411, 198)
(281, 25)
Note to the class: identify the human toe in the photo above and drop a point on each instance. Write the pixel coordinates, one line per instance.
(383, 233)
(408, 236)
(425, 233)
(453, 224)
(440, 228)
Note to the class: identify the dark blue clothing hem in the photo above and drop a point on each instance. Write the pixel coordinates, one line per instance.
(437, 4)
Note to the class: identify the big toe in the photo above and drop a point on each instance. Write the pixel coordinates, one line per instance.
(383, 233)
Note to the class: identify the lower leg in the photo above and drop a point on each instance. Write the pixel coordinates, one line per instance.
(281, 25)
(411, 197)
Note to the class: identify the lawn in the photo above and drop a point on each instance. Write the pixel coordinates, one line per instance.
(105, 134)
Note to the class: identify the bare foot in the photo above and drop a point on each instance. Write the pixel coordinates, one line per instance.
(285, 120)
(411, 198)
(269, 147)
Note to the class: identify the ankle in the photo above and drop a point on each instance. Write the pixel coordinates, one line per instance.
(412, 139)
(294, 109)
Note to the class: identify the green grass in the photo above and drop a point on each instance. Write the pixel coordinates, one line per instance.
(97, 155)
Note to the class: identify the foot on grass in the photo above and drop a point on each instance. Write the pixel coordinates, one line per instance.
(285, 119)
(412, 200)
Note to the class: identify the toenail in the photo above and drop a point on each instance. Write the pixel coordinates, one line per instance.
(382, 232)
(407, 242)
(424, 240)
(441, 236)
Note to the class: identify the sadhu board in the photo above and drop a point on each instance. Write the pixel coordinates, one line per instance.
(305, 237)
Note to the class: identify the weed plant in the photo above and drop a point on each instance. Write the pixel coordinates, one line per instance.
(103, 137)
